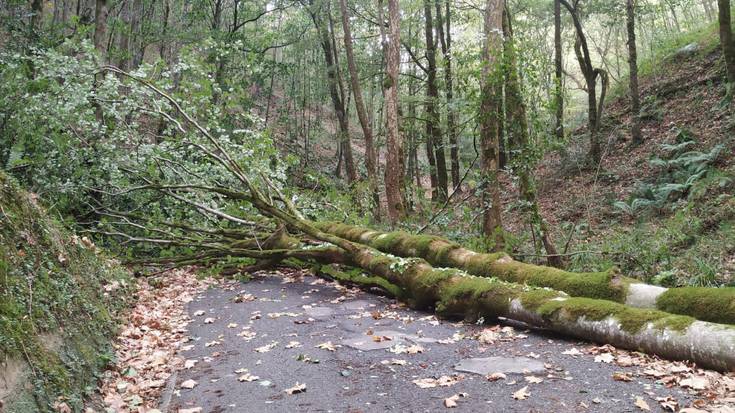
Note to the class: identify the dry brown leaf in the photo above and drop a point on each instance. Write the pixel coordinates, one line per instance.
(533, 379)
(451, 402)
(328, 346)
(247, 377)
(620, 376)
(694, 382)
(496, 377)
(641, 404)
(266, 348)
(521, 394)
(298, 388)
(191, 410)
(189, 384)
(604, 358)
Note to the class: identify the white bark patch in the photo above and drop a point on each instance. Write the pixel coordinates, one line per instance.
(643, 295)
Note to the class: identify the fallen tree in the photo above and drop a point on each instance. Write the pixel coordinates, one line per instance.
(703, 303)
(250, 217)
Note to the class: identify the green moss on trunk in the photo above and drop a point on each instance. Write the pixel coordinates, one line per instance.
(713, 304)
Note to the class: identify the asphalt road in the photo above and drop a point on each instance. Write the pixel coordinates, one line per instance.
(233, 340)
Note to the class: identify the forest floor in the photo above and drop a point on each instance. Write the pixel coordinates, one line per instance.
(288, 341)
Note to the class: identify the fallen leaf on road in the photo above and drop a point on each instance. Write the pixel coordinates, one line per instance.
(451, 402)
(189, 384)
(266, 348)
(496, 377)
(533, 379)
(443, 381)
(328, 346)
(192, 410)
(668, 403)
(199, 313)
(190, 364)
(293, 344)
(232, 325)
(247, 377)
(619, 376)
(298, 388)
(696, 383)
(604, 358)
(641, 404)
(521, 394)
(208, 320)
(401, 349)
(572, 352)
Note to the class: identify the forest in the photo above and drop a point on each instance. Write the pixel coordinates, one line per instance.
(516, 175)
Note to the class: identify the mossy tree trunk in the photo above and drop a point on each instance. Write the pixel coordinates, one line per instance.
(703, 303)
(453, 293)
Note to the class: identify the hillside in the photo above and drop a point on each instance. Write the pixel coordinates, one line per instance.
(682, 237)
(59, 300)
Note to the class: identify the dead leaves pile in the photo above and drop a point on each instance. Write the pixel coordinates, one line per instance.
(146, 345)
(714, 391)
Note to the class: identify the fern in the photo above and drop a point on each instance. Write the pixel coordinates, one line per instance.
(681, 169)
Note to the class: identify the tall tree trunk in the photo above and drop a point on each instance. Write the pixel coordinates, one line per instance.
(448, 84)
(558, 73)
(394, 161)
(37, 16)
(726, 41)
(635, 100)
(491, 101)
(590, 73)
(334, 93)
(123, 36)
(432, 114)
(370, 156)
(517, 125)
(100, 26)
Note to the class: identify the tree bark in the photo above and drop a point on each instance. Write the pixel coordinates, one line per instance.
(635, 100)
(36, 16)
(446, 43)
(703, 303)
(517, 124)
(726, 40)
(491, 100)
(433, 128)
(558, 73)
(394, 141)
(100, 26)
(590, 73)
(337, 101)
(370, 156)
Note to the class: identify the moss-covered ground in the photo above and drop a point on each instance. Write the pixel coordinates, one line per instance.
(59, 300)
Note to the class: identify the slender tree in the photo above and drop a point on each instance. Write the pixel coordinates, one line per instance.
(394, 153)
(336, 96)
(726, 40)
(517, 126)
(591, 74)
(445, 36)
(490, 104)
(433, 125)
(635, 100)
(370, 155)
(100, 26)
(559, 73)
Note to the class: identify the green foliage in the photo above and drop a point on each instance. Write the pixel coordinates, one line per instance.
(680, 168)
